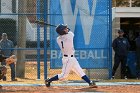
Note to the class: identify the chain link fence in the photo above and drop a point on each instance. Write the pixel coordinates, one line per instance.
(17, 19)
(32, 41)
(90, 21)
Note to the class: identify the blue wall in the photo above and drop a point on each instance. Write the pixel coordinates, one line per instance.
(90, 22)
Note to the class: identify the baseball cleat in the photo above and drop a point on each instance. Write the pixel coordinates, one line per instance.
(112, 77)
(47, 83)
(0, 86)
(92, 85)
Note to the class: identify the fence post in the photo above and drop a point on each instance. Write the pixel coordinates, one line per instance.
(38, 39)
(45, 38)
(110, 39)
(20, 68)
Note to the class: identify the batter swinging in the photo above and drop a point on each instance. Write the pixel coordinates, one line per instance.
(65, 42)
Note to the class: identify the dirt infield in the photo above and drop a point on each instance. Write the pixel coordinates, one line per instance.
(30, 84)
(60, 89)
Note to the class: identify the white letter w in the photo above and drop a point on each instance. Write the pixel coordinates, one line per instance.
(86, 17)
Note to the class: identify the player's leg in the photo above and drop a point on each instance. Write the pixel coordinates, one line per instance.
(116, 64)
(66, 68)
(138, 64)
(12, 66)
(138, 70)
(123, 67)
(79, 71)
(3, 64)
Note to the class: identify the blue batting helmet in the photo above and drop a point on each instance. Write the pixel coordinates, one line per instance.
(60, 29)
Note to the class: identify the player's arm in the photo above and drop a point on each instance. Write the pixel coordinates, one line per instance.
(114, 45)
(71, 35)
(12, 46)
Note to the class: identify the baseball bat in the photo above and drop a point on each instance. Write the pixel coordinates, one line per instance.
(43, 23)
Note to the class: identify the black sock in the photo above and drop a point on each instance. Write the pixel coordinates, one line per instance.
(86, 79)
(53, 78)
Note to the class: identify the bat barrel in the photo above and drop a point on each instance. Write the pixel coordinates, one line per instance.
(43, 23)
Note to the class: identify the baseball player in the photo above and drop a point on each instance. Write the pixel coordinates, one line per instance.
(6, 43)
(65, 42)
(121, 47)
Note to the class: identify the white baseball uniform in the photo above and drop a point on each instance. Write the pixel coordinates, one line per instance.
(69, 62)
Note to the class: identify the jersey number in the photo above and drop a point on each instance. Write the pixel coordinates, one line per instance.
(62, 44)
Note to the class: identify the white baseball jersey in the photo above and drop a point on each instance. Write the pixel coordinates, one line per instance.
(65, 43)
